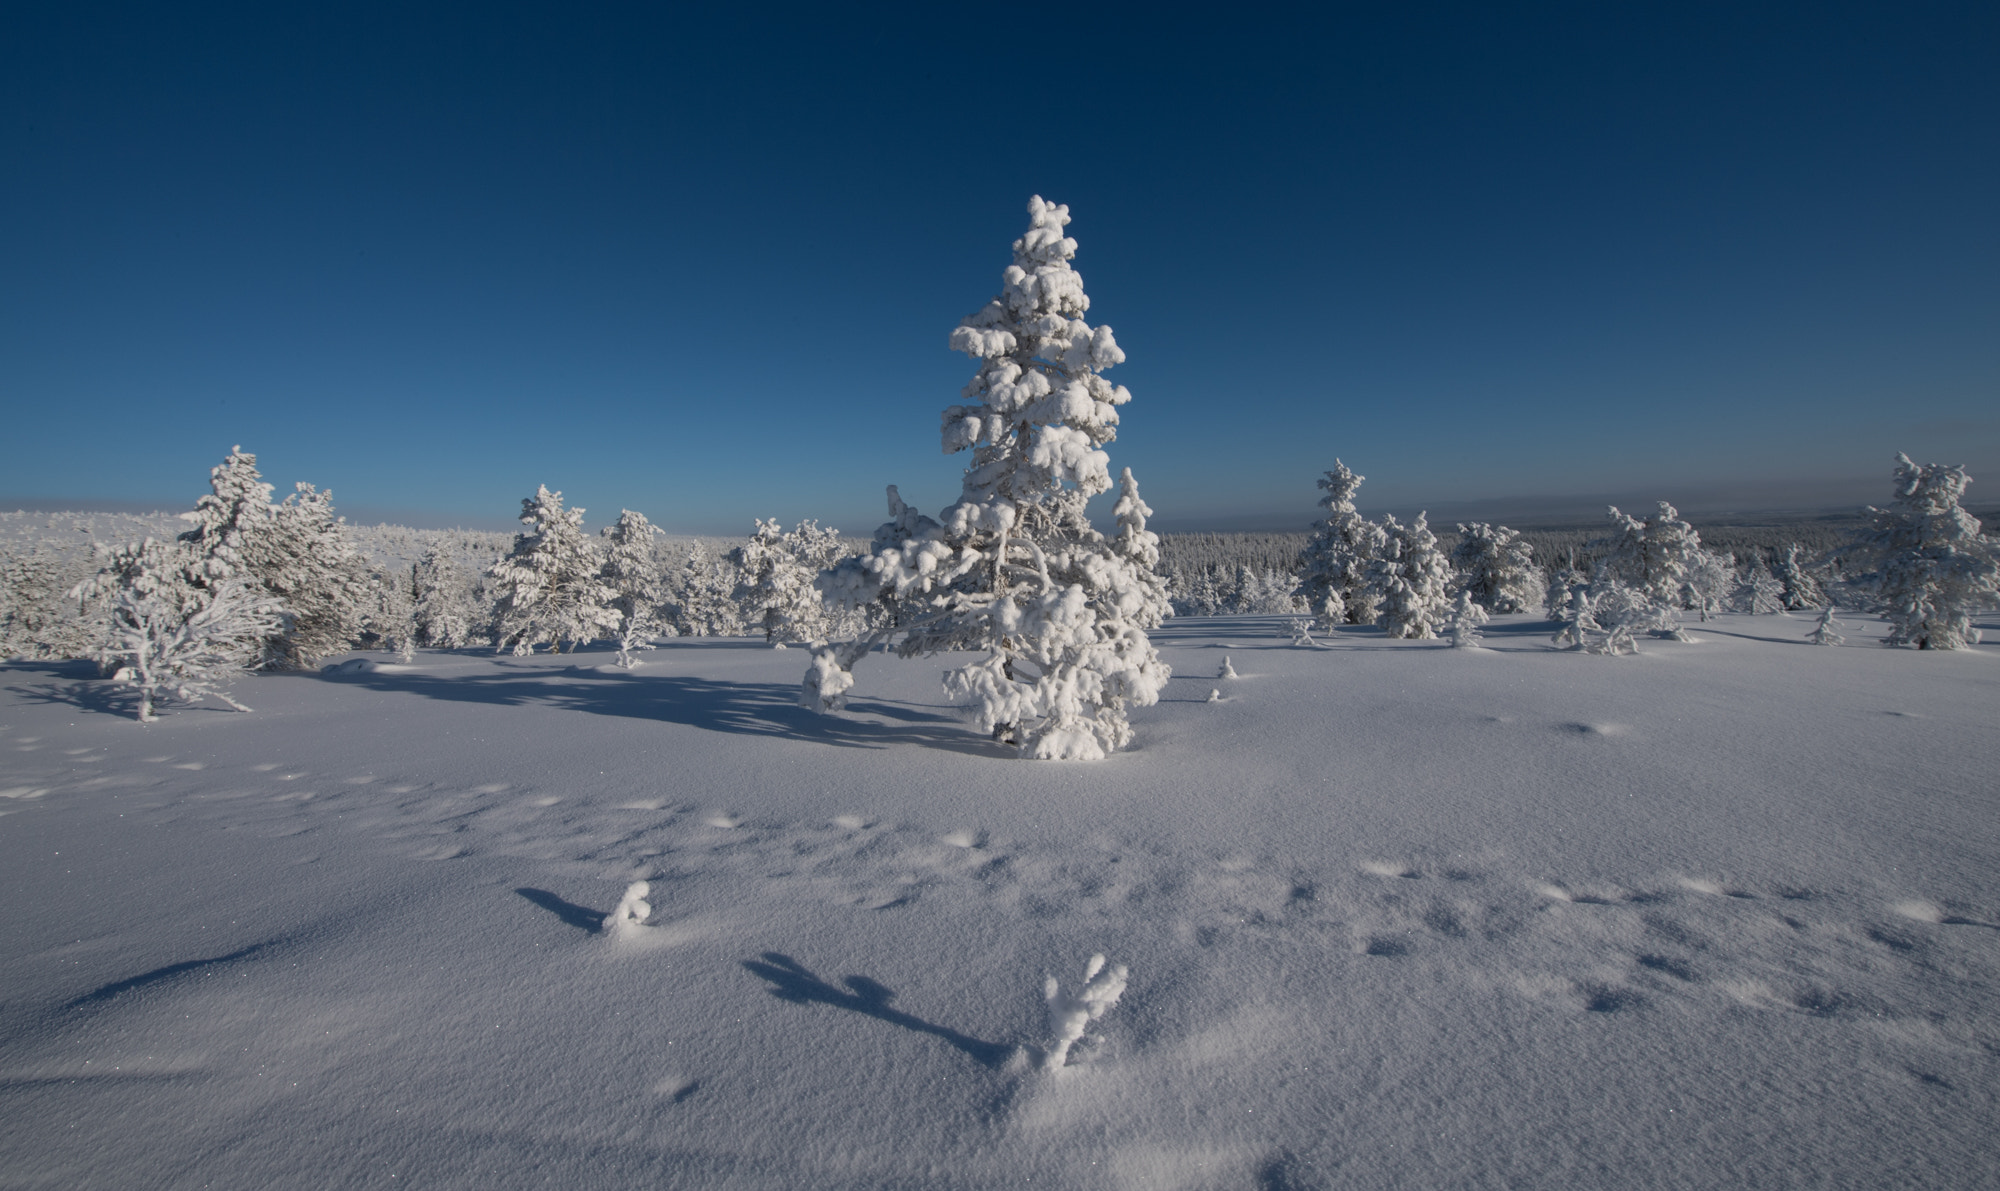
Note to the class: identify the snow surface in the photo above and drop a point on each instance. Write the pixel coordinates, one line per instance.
(1395, 915)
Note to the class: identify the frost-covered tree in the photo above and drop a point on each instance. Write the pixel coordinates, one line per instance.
(1336, 565)
(1936, 570)
(1497, 568)
(41, 615)
(1414, 579)
(171, 638)
(1070, 1013)
(1827, 631)
(1654, 559)
(1710, 579)
(236, 509)
(1015, 568)
(632, 571)
(778, 571)
(701, 601)
(305, 556)
(549, 590)
(1565, 588)
(447, 610)
(1758, 591)
(393, 620)
(1801, 590)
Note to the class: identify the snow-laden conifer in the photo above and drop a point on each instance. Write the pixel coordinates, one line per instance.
(1711, 578)
(393, 620)
(1015, 568)
(701, 598)
(1827, 631)
(1936, 570)
(171, 638)
(236, 509)
(1801, 590)
(1497, 568)
(1654, 560)
(1414, 578)
(633, 573)
(1758, 591)
(1337, 564)
(548, 587)
(778, 571)
(305, 556)
(448, 615)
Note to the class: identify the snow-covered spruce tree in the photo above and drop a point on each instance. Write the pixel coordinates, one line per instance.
(1710, 579)
(632, 571)
(1801, 590)
(305, 556)
(1497, 568)
(1015, 568)
(41, 612)
(447, 612)
(1414, 580)
(776, 589)
(172, 639)
(1334, 578)
(393, 619)
(1758, 591)
(237, 508)
(701, 600)
(1465, 618)
(1654, 558)
(1827, 631)
(548, 586)
(1936, 570)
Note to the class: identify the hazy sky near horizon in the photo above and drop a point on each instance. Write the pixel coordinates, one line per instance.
(703, 264)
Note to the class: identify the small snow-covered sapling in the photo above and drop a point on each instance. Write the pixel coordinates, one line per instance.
(1227, 671)
(1826, 632)
(1215, 696)
(1071, 1013)
(1302, 633)
(633, 910)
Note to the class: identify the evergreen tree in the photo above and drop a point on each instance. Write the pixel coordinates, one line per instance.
(1466, 617)
(171, 638)
(393, 620)
(1654, 560)
(1935, 568)
(778, 570)
(632, 571)
(1015, 568)
(548, 586)
(1497, 568)
(1413, 577)
(1827, 631)
(1801, 590)
(1758, 591)
(304, 555)
(447, 612)
(1336, 564)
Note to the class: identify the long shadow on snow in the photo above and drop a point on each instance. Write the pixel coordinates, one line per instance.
(743, 708)
(581, 917)
(793, 981)
(107, 991)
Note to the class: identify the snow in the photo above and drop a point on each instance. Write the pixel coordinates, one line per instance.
(1394, 914)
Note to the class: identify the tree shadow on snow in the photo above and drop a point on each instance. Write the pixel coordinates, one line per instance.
(793, 981)
(582, 918)
(107, 991)
(79, 684)
(738, 708)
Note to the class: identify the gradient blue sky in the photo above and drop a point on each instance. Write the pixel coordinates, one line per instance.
(1500, 259)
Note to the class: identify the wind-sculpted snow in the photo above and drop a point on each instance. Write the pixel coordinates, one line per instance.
(1391, 913)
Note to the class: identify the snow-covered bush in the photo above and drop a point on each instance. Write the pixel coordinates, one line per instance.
(632, 571)
(632, 912)
(1413, 577)
(1227, 670)
(1935, 569)
(1465, 619)
(548, 587)
(1336, 565)
(1015, 568)
(1070, 1014)
(172, 638)
(1827, 631)
(1497, 568)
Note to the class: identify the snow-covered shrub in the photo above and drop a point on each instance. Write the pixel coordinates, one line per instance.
(1302, 631)
(1620, 612)
(1227, 670)
(1336, 565)
(1497, 568)
(1827, 631)
(1413, 577)
(39, 617)
(1015, 568)
(172, 638)
(1565, 587)
(632, 572)
(549, 590)
(632, 912)
(1935, 569)
(777, 575)
(448, 611)
(1465, 619)
(1070, 1014)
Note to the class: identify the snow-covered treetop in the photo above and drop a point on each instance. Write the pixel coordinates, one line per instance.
(1340, 485)
(236, 507)
(1037, 412)
(1926, 511)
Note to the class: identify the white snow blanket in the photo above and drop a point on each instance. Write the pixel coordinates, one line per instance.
(1394, 914)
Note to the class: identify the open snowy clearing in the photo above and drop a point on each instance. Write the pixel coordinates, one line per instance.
(1722, 914)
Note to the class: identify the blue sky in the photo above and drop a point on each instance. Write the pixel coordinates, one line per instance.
(1502, 260)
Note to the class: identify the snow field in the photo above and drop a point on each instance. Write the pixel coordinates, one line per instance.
(1394, 915)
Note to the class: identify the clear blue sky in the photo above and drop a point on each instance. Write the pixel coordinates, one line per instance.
(704, 264)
